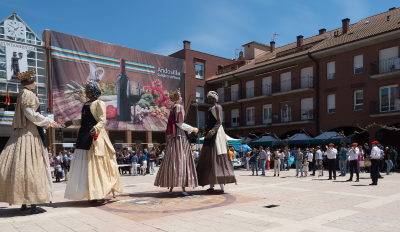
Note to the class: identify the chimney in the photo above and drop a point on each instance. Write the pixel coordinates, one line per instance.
(186, 44)
(393, 8)
(322, 31)
(346, 25)
(272, 46)
(299, 42)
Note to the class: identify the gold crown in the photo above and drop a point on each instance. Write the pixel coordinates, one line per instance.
(175, 95)
(26, 75)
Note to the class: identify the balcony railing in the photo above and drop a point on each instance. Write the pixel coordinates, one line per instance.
(385, 66)
(292, 84)
(383, 106)
(258, 91)
(289, 115)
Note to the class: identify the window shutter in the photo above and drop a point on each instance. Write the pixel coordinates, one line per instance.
(389, 53)
(358, 61)
(307, 72)
(331, 102)
(331, 69)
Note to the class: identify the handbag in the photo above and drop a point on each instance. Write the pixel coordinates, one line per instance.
(367, 162)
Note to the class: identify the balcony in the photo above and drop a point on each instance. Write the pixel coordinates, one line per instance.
(293, 86)
(384, 108)
(387, 68)
(290, 117)
(256, 93)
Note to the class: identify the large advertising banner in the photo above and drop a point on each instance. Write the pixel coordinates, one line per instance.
(135, 84)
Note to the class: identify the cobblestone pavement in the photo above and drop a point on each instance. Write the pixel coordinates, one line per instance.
(256, 203)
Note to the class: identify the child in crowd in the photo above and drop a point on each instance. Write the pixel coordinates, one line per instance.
(305, 166)
(320, 168)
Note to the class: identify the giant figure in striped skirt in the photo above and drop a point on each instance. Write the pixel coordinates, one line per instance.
(177, 168)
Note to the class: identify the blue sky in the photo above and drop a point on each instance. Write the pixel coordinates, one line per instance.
(215, 27)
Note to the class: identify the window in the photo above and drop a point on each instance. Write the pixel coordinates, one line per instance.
(202, 119)
(234, 92)
(199, 70)
(330, 70)
(387, 98)
(221, 95)
(267, 113)
(306, 77)
(358, 64)
(389, 60)
(358, 100)
(286, 111)
(249, 89)
(235, 117)
(286, 82)
(250, 117)
(307, 111)
(200, 94)
(266, 85)
(3, 65)
(331, 103)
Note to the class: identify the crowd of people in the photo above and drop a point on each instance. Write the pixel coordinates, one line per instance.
(345, 159)
(60, 164)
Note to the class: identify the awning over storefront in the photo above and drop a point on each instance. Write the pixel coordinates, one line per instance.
(231, 141)
(267, 140)
(323, 138)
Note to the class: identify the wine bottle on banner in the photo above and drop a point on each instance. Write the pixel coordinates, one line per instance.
(123, 87)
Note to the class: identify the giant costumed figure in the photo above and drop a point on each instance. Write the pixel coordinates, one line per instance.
(25, 176)
(94, 169)
(214, 165)
(177, 168)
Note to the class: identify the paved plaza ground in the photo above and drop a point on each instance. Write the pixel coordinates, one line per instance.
(256, 203)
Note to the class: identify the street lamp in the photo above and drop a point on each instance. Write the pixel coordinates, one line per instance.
(197, 117)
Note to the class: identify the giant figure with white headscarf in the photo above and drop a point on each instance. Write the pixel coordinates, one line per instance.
(94, 169)
(214, 165)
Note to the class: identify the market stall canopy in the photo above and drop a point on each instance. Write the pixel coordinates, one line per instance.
(323, 138)
(299, 139)
(231, 141)
(266, 140)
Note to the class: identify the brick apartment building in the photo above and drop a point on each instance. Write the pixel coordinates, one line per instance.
(329, 82)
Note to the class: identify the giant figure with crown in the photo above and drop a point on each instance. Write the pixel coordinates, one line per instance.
(25, 177)
(177, 168)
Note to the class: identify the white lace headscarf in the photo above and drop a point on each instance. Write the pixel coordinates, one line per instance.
(213, 94)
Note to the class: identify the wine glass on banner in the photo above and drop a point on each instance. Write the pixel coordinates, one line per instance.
(134, 97)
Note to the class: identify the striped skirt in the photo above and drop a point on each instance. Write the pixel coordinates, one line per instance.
(177, 169)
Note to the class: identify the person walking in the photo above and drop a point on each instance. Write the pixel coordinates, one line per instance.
(268, 159)
(277, 161)
(343, 160)
(263, 158)
(310, 159)
(281, 160)
(318, 158)
(247, 160)
(393, 157)
(375, 157)
(143, 164)
(134, 162)
(287, 153)
(331, 155)
(254, 161)
(353, 153)
(388, 161)
(298, 160)
(152, 160)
